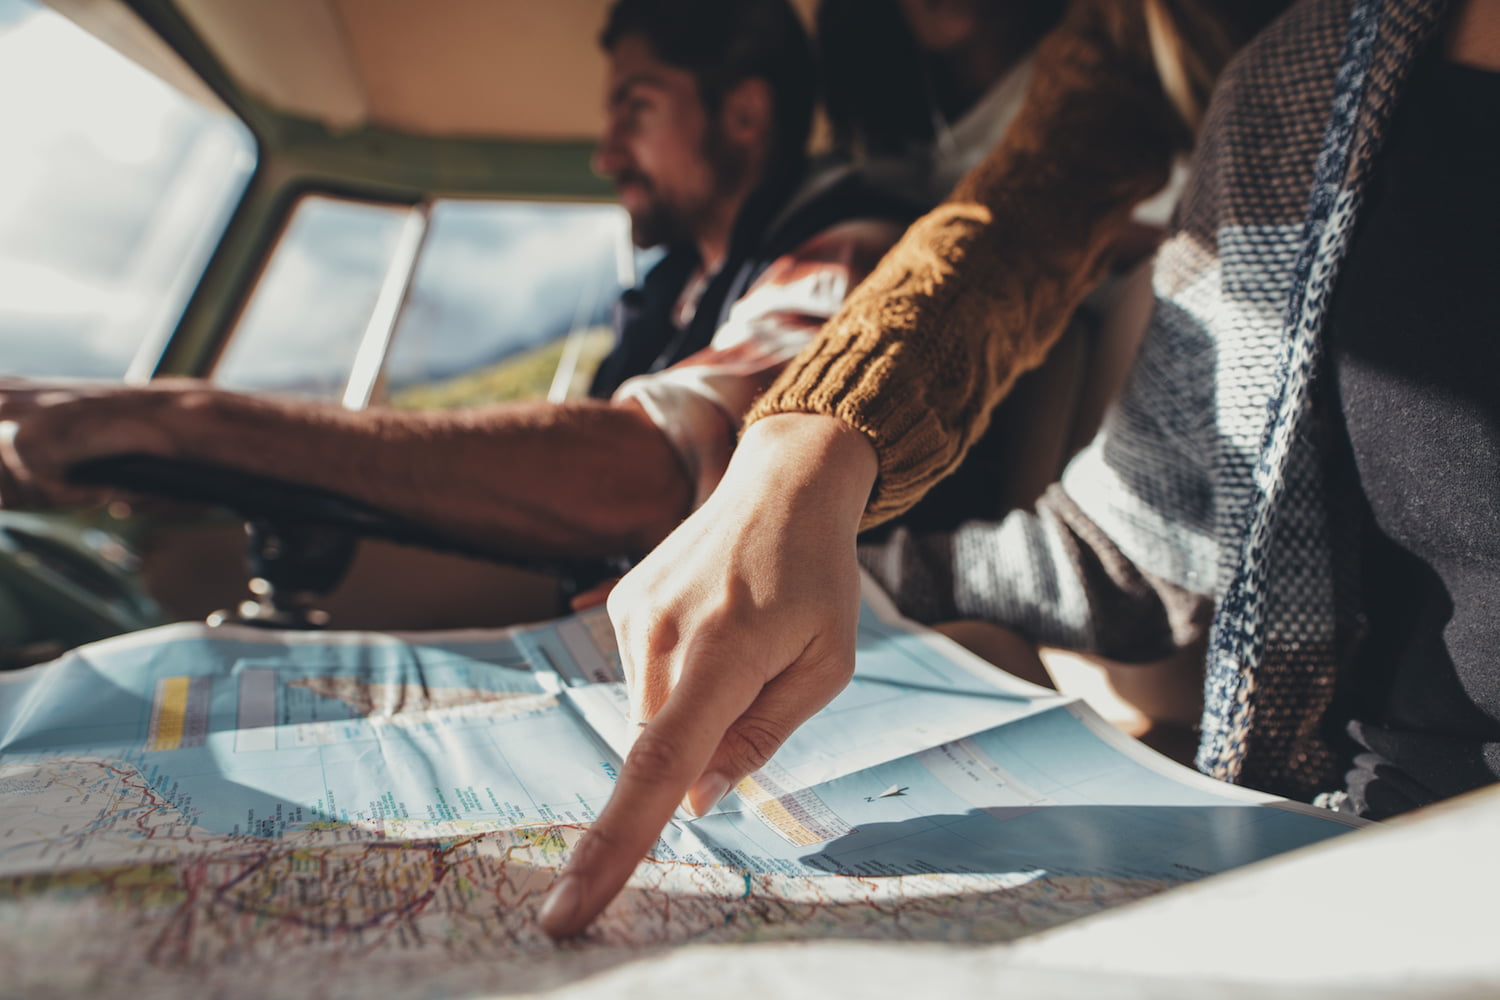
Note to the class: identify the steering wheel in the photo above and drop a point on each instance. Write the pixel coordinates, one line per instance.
(302, 538)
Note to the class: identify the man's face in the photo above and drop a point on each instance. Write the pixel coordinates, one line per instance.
(669, 160)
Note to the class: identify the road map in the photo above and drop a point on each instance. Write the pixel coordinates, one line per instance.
(232, 812)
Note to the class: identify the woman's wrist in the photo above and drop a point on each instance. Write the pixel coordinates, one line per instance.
(805, 456)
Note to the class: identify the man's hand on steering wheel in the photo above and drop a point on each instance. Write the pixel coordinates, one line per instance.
(48, 427)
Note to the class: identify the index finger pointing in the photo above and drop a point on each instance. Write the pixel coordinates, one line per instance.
(667, 758)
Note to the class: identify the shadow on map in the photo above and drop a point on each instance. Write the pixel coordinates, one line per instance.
(1170, 843)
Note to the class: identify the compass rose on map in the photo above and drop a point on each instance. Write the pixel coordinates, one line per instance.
(889, 793)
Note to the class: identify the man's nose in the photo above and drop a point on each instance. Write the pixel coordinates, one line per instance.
(609, 156)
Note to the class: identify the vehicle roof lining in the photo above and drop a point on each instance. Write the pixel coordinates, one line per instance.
(291, 55)
(511, 69)
(454, 68)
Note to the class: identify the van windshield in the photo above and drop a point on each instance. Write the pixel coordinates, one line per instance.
(114, 189)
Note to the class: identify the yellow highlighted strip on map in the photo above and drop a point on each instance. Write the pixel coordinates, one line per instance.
(179, 713)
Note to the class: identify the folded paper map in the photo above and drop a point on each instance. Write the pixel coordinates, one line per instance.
(236, 812)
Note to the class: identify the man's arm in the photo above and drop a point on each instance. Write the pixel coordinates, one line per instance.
(572, 480)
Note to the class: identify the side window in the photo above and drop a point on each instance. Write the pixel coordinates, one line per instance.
(114, 189)
(450, 304)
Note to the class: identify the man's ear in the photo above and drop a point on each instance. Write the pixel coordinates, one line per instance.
(745, 116)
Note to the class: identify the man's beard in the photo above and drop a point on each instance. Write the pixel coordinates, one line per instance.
(664, 222)
(659, 222)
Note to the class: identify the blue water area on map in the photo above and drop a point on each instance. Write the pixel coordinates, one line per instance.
(467, 770)
(931, 766)
(275, 737)
(103, 695)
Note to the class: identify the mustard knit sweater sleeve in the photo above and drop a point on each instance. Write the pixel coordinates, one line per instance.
(978, 290)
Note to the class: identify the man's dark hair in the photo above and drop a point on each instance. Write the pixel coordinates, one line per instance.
(724, 42)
